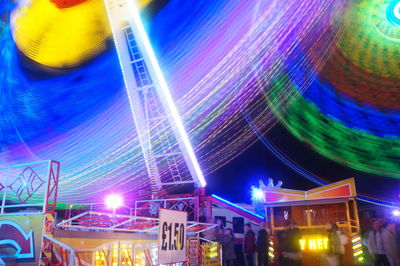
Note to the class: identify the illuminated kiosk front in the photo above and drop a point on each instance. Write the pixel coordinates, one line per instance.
(311, 211)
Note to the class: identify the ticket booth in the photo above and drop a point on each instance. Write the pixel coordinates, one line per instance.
(311, 211)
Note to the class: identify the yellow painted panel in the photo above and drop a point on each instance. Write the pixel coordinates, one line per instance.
(62, 37)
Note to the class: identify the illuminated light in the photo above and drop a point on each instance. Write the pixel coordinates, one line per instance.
(357, 248)
(257, 195)
(271, 255)
(314, 243)
(159, 77)
(396, 10)
(286, 215)
(114, 201)
(302, 244)
(326, 241)
(393, 12)
(396, 212)
(237, 206)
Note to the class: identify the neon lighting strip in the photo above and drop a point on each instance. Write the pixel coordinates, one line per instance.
(24, 164)
(237, 206)
(377, 202)
(166, 92)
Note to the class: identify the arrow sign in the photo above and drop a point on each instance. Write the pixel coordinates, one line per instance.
(13, 235)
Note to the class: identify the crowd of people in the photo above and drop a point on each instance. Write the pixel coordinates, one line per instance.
(252, 245)
(383, 243)
(255, 246)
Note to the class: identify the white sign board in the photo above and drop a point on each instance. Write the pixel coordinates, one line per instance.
(172, 236)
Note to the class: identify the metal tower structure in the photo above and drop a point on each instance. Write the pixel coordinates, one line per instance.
(167, 151)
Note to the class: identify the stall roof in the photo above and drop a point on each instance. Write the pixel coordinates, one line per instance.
(336, 192)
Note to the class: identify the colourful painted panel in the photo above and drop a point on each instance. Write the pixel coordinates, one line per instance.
(341, 191)
(21, 239)
(271, 196)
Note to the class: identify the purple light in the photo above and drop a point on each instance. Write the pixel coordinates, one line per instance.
(114, 201)
(396, 213)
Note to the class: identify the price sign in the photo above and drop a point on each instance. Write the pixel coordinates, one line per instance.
(172, 236)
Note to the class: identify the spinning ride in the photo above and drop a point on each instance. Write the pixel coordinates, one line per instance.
(84, 115)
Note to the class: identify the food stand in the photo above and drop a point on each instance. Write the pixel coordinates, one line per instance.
(312, 211)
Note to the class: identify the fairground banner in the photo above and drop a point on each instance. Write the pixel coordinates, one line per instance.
(21, 239)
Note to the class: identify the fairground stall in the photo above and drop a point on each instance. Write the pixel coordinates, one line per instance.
(150, 232)
(131, 236)
(311, 211)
